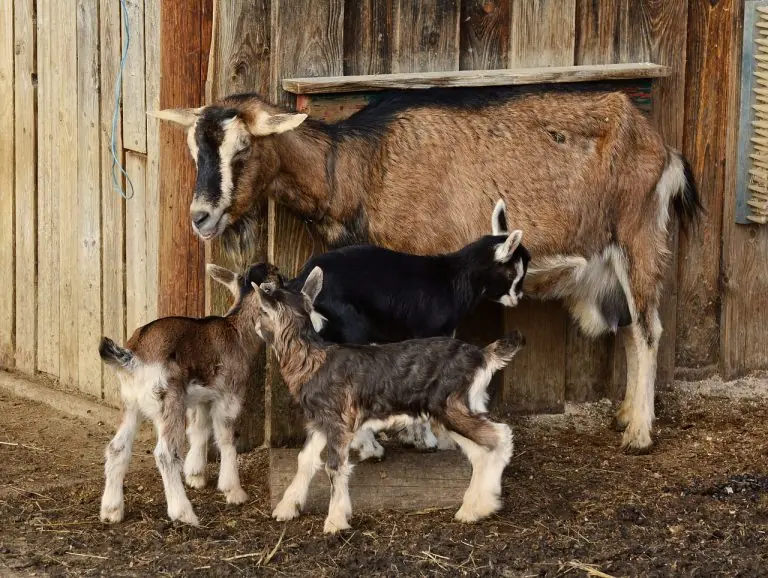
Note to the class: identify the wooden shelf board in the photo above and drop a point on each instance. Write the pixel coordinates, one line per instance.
(475, 78)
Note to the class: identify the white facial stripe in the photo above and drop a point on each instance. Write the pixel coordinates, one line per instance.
(512, 298)
(191, 142)
(227, 150)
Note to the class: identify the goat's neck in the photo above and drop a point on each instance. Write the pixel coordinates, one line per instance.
(322, 180)
(299, 356)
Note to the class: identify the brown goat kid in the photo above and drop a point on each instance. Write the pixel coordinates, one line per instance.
(584, 175)
(343, 388)
(175, 365)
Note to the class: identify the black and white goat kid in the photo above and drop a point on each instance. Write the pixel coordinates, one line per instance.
(375, 295)
(341, 388)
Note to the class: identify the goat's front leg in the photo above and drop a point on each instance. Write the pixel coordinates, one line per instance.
(118, 456)
(198, 432)
(169, 452)
(295, 496)
(224, 414)
(339, 470)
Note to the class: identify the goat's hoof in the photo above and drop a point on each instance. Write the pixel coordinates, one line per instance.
(196, 481)
(185, 516)
(111, 515)
(334, 526)
(621, 420)
(636, 442)
(285, 511)
(236, 496)
(466, 515)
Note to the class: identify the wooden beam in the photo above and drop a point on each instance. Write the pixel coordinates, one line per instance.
(182, 276)
(134, 89)
(7, 186)
(26, 185)
(404, 480)
(87, 281)
(476, 78)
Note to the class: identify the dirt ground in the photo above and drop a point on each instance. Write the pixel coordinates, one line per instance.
(696, 506)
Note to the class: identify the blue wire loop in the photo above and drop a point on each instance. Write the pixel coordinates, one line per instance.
(116, 184)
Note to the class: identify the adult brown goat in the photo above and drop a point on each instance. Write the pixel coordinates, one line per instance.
(584, 175)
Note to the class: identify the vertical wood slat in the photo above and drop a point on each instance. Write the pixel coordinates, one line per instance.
(7, 188)
(368, 36)
(64, 159)
(744, 339)
(426, 35)
(136, 313)
(87, 280)
(47, 226)
(152, 226)
(306, 41)
(112, 205)
(181, 275)
(241, 63)
(25, 185)
(485, 36)
(710, 45)
(542, 33)
(134, 90)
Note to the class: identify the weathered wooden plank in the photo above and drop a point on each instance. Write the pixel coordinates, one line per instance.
(87, 296)
(405, 480)
(484, 34)
(152, 184)
(47, 227)
(7, 188)
(368, 36)
(306, 39)
(744, 339)
(64, 161)
(136, 244)
(182, 284)
(543, 33)
(426, 35)
(26, 185)
(516, 75)
(240, 62)
(134, 86)
(710, 46)
(112, 205)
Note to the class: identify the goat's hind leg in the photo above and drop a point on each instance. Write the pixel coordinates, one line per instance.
(309, 462)
(198, 432)
(224, 413)
(117, 457)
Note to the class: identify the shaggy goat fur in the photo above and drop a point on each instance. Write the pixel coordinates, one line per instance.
(584, 174)
(175, 365)
(342, 387)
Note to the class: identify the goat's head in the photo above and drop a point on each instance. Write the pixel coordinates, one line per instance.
(498, 263)
(231, 144)
(282, 311)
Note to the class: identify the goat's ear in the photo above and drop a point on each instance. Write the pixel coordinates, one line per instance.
(499, 218)
(226, 277)
(185, 117)
(314, 284)
(505, 250)
(263, 123)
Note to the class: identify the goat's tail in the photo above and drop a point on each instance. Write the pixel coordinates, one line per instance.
(499, 353)
(677, 182)
(112, 354)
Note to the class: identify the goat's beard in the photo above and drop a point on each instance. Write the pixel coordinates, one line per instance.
(244, 241)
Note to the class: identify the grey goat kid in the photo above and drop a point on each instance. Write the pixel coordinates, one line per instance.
(178, 364)
(341, 388)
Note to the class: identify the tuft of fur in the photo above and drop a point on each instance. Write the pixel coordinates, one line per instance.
(687, 202)
(499, 353)
(112, 354)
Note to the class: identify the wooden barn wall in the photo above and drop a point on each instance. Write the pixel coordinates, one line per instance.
(76, 260)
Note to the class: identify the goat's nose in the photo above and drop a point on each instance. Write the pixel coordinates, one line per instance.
(200, 217)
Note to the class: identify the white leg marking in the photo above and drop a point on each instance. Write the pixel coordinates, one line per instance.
(366, 445)
(224, 413)
(198, 432)
(418, 434)
(169, 464)
(296, 494)
(478, 457)
(340, 506)
(118, 456)
(630, 349)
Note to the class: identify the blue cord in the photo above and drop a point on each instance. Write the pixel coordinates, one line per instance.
(118, 97)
